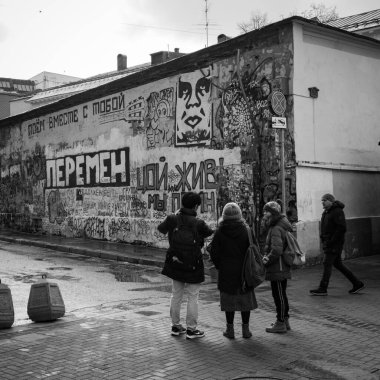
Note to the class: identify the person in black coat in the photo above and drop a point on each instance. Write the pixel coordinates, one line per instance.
(277, 271)
(227, 252)
(333, 229)
(184, 279)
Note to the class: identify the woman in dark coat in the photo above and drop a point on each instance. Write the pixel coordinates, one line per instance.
(227, 251)
(277, 271)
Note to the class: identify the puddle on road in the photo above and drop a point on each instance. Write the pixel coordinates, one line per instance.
(26, 278)
(59, 268)
(34, 278)
(161, 288)
(148, 313)
(134, 273)
(63, 278)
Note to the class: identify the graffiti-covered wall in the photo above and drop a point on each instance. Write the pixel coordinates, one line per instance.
(114, 167)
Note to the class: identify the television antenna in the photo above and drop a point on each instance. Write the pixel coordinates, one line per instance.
(206, 25)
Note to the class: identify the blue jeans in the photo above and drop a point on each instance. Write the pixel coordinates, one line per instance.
(178, 290)
(334, 259)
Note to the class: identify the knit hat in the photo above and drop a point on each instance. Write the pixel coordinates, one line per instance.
(273, 207)
(328, 197)
(231, 211)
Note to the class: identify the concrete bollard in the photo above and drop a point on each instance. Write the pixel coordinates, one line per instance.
(7, 314)
(45, 302)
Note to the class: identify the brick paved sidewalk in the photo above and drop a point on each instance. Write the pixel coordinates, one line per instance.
(334, 337)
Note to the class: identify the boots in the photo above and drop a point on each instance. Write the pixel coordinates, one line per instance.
(245, 330)
(229, 333)
(277, 327)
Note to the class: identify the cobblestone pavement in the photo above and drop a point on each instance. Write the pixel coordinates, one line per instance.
(334, 337)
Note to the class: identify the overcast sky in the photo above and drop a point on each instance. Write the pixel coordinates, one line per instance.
(83, 37)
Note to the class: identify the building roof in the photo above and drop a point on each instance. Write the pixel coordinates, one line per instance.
(358, 22)
(20, 86)
(59, 92)
(146, 73)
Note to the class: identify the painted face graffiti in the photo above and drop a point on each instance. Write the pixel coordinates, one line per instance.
(193, 110)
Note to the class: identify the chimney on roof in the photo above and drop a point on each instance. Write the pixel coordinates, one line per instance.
(121, 62)
(164, 56)
(222, 38)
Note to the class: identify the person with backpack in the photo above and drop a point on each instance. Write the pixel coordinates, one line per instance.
(333, 229)
(227, 251)
(278, 272)
(184, 262)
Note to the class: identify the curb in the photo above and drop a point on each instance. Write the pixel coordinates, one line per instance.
(98, 253)
(102, 254)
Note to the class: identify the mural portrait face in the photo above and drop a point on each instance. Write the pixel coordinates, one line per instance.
(193, 125)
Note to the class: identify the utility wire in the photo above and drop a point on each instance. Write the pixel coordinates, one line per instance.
(159, 27)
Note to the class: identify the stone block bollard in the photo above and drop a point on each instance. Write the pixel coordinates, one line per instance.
(7, 314)
(45, 302)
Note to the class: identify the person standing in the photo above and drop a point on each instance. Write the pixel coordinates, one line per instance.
(333, 229)
(227, 252)
(277, 271)
(185, 278)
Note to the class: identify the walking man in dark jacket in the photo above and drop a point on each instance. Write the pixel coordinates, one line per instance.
(186, 275)
(333, 229)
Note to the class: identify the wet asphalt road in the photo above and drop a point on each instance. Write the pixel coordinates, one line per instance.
(83, 281)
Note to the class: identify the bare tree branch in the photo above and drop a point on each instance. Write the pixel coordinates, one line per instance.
(320, 11)
(257, 21)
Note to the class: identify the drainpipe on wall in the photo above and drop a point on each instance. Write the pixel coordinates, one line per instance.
(257, 196)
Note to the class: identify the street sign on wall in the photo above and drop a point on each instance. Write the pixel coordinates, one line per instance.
(279, 122)
(278, 102)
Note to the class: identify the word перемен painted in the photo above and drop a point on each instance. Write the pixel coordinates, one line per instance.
(106, 168)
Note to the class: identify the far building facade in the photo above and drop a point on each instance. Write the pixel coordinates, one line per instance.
(46, 79)
(11, 89)
(287, 112)
(366, 24)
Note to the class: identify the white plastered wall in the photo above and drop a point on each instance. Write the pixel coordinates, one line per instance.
(341, 126)
(336, 134)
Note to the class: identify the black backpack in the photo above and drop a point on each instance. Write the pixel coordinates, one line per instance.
(184, 251)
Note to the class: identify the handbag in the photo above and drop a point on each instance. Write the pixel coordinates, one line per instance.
(253, 271)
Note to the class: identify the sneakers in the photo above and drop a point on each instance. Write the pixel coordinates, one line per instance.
(194, 334)
(178, 330)
(356, 288)
(277, 327)
(318, 292)
(287, 324)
